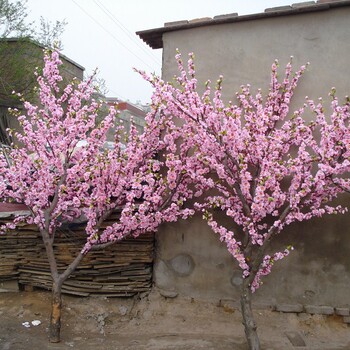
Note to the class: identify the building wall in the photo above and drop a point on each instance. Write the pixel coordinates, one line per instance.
(190, 258)
(18, 61)
(244, 51)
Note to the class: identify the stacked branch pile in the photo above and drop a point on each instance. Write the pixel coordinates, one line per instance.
(123, 269)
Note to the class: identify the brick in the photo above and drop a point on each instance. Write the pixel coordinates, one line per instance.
(278, 9)
(263, 306)
(319, 310)
(346, 319)
(342, 311)
(289, 308)
(303, 4)
(229, 15)
(295, 338)
(175, 23)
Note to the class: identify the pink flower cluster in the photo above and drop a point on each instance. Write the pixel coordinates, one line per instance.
(266, 266)
(62, 172)
(268, 165)
(265, 166)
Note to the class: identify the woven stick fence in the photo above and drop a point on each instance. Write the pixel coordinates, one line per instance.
(123, 269)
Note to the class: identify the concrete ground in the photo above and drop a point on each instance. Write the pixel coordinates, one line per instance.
(155, 322)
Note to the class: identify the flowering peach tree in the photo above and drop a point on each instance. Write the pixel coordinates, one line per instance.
(269, 166)
(144, 176)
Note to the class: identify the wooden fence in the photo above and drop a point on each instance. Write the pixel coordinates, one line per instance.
(123, 269)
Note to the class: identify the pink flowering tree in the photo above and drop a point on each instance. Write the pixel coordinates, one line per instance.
(145, 177)
(270, 166)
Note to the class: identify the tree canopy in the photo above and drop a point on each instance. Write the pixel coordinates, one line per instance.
(268, 166)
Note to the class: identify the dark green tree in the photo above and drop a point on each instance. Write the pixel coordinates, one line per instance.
(21, 44)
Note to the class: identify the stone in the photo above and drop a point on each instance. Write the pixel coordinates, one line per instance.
(319, 310)
(144, 295)
(123, 310)
(182, 264)
(342, 311)
(164, 274)
(101, 319)
(168, 293)
(236, 279)
(346, 319)
(297, 308)
(295, 338)
(263, 306)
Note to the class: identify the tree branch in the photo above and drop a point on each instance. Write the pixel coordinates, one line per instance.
(262, 249)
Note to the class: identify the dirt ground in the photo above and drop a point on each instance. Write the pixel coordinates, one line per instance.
(158, 323)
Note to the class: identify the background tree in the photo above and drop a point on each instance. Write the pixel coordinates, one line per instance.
(19, 56)
(48, 34)
(60, 182)
(13, 19)
(269, 167)
(14, 24)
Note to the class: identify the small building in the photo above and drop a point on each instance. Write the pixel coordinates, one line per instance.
(190, 259)
(128, 113)
(19, 58)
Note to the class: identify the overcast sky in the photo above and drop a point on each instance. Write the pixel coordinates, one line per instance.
(101, 33)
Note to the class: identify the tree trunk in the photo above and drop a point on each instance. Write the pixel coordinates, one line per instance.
(248, 318)
(55, 318)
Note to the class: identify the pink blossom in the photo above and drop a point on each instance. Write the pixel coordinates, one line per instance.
(60, 180)
(271, 166)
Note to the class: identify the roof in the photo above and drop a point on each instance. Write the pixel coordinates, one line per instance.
(126, 105)
(25, 39)
(154, 37)
(13, 209)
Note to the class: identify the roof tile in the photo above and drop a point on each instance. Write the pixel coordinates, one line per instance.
(326, 1)
(175, 23)
(303, 4)
(278, 8)
(197, 20)
(229, 15)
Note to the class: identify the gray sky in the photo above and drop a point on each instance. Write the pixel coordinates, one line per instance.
(101, 33)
